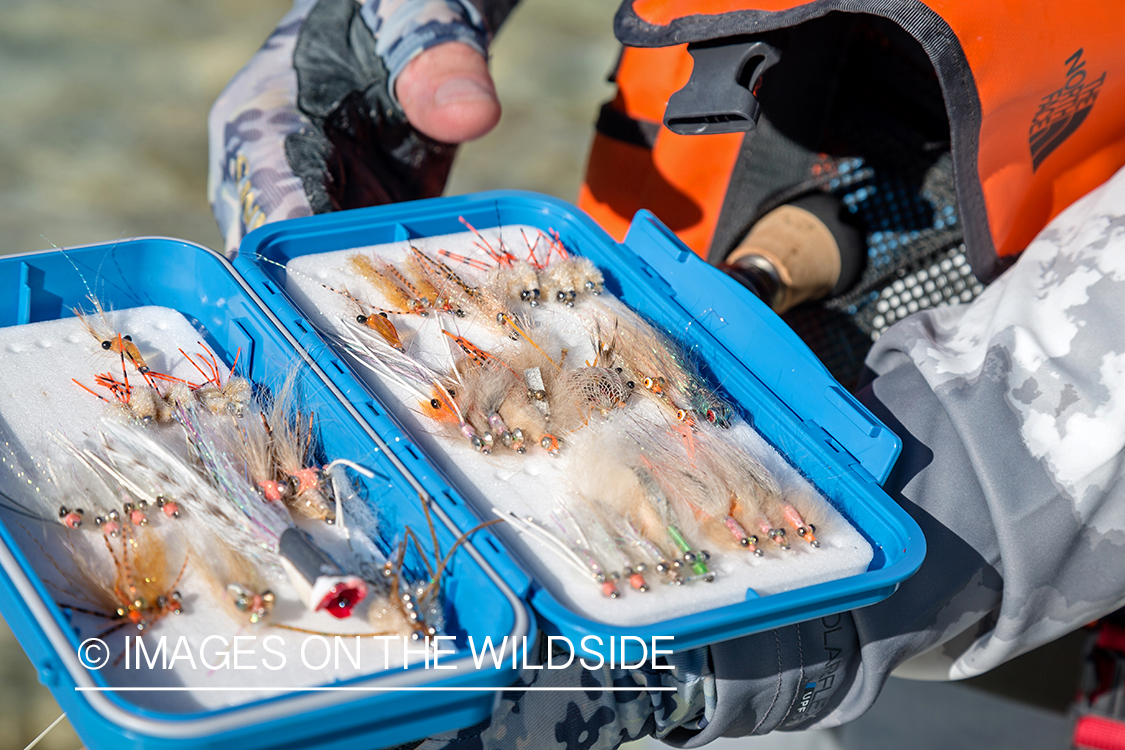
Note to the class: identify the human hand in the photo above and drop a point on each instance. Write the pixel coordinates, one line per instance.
(447, 93)
(313, 124)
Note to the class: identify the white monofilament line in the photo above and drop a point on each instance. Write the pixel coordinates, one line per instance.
(380, 368)
(544, 536)
(583, 540)
(46, 731)
(449, 349)
(336, 489)
(375, 361)
(90, 458)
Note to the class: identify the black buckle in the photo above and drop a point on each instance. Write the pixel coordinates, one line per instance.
(719, 98)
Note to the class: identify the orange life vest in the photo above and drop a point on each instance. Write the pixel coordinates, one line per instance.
(1034, 94)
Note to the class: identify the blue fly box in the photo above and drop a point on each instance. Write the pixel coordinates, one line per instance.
(378, 708)
(773, 380)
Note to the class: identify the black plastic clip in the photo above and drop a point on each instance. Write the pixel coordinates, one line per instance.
(719, 96)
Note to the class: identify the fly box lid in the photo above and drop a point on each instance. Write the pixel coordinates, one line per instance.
(87, 599)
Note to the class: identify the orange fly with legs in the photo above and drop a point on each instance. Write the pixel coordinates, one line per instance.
(140, 594)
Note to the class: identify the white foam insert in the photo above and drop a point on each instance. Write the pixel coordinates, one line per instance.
(38, 398)
(532, 484)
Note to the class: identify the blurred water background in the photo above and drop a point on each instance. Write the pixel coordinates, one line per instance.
(103, 110)
(103, 135)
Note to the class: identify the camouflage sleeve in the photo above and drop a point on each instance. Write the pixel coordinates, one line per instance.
(1012, 412)
(405, 28)
(311, 123)
(580, 708)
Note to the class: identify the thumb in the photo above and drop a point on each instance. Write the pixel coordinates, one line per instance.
(448, 94)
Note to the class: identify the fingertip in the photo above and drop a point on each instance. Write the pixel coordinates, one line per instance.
(448, 94)
(463, 109)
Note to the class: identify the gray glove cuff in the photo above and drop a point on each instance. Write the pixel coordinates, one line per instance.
(403, 29)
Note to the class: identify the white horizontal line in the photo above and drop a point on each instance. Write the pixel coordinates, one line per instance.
(327, 689)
